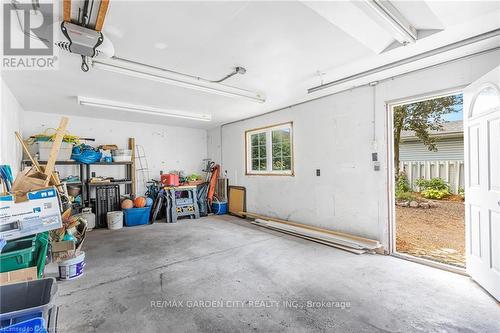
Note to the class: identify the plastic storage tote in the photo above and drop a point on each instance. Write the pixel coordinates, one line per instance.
(36, 325)
(17, 254)
(27, 300)
(122, 155)
(136, 216)
(43, 149)
(25, 252)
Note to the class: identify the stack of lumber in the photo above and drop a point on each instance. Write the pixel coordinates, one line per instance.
(343, 241)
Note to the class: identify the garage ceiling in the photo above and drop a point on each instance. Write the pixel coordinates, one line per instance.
(283, 45)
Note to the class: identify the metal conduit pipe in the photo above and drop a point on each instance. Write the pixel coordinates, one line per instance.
(493, 49)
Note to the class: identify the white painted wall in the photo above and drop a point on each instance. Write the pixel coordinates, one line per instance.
(335, 134)
(10, 115)
(167, 148)
(214, 144)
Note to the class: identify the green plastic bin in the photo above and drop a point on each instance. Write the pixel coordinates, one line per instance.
(41, 247)
(25, 252)
(17, 254)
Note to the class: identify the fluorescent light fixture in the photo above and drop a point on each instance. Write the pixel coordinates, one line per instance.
(114, 105)
(152, 73)
(392, 21)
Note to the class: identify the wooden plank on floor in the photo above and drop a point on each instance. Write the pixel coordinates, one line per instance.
(316, 234)
(336, 233)
(351, 250)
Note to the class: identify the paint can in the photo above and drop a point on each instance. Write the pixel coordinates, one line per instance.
(115, 220)
(72, 268)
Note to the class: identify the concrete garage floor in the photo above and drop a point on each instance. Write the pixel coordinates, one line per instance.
(228, 260)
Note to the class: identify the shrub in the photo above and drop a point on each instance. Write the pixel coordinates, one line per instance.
(435, 194)
(432, 184)
(405, 196)
(461, 192)
(402, 184)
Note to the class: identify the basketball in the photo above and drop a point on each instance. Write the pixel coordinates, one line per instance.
(139, 202)
(127, 203)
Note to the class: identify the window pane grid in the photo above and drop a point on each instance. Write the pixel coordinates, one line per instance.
(270, 150)
(258, 151)
(281, 150)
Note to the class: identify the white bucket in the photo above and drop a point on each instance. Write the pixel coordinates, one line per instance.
(72, 268)
(115, 220)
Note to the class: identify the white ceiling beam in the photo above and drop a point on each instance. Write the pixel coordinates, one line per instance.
(391, 20)
(487, 36)
(354, 21)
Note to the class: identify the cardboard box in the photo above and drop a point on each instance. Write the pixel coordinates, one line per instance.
(20, 275)
(63, 250)
(67, 249)
(38, 213)
(63, 246)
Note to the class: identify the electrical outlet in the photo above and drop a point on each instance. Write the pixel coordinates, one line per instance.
(318, 172)
(374, 157)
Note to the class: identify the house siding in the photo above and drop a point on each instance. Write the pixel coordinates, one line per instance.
(451, 149)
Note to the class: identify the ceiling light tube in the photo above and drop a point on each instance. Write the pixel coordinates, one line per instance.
(114, 105)
(393, 21)
(147, 72)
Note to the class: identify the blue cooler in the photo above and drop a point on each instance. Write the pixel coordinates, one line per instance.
(136, 216)
(219, 208)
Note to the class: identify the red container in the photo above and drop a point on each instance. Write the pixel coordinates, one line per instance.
(170, 179)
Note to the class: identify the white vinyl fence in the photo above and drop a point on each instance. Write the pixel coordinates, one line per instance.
(451, 171)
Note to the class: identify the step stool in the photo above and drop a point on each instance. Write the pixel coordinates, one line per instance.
(178, 207)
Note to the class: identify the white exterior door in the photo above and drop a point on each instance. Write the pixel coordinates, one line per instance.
(482, 181)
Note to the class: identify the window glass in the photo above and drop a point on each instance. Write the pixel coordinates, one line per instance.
(270, 150)
(258, 151)
(486, 100)
(281, 149)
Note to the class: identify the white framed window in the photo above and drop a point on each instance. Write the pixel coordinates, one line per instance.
(269, 150)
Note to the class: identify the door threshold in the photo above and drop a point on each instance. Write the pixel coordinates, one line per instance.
(434, 264)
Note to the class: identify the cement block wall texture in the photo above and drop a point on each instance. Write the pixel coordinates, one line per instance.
(166, 147)
(337, 134)
(10, 121)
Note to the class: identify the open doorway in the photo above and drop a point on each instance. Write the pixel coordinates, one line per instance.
(428, 153)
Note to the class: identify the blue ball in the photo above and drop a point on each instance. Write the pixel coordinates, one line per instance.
(149, 202)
